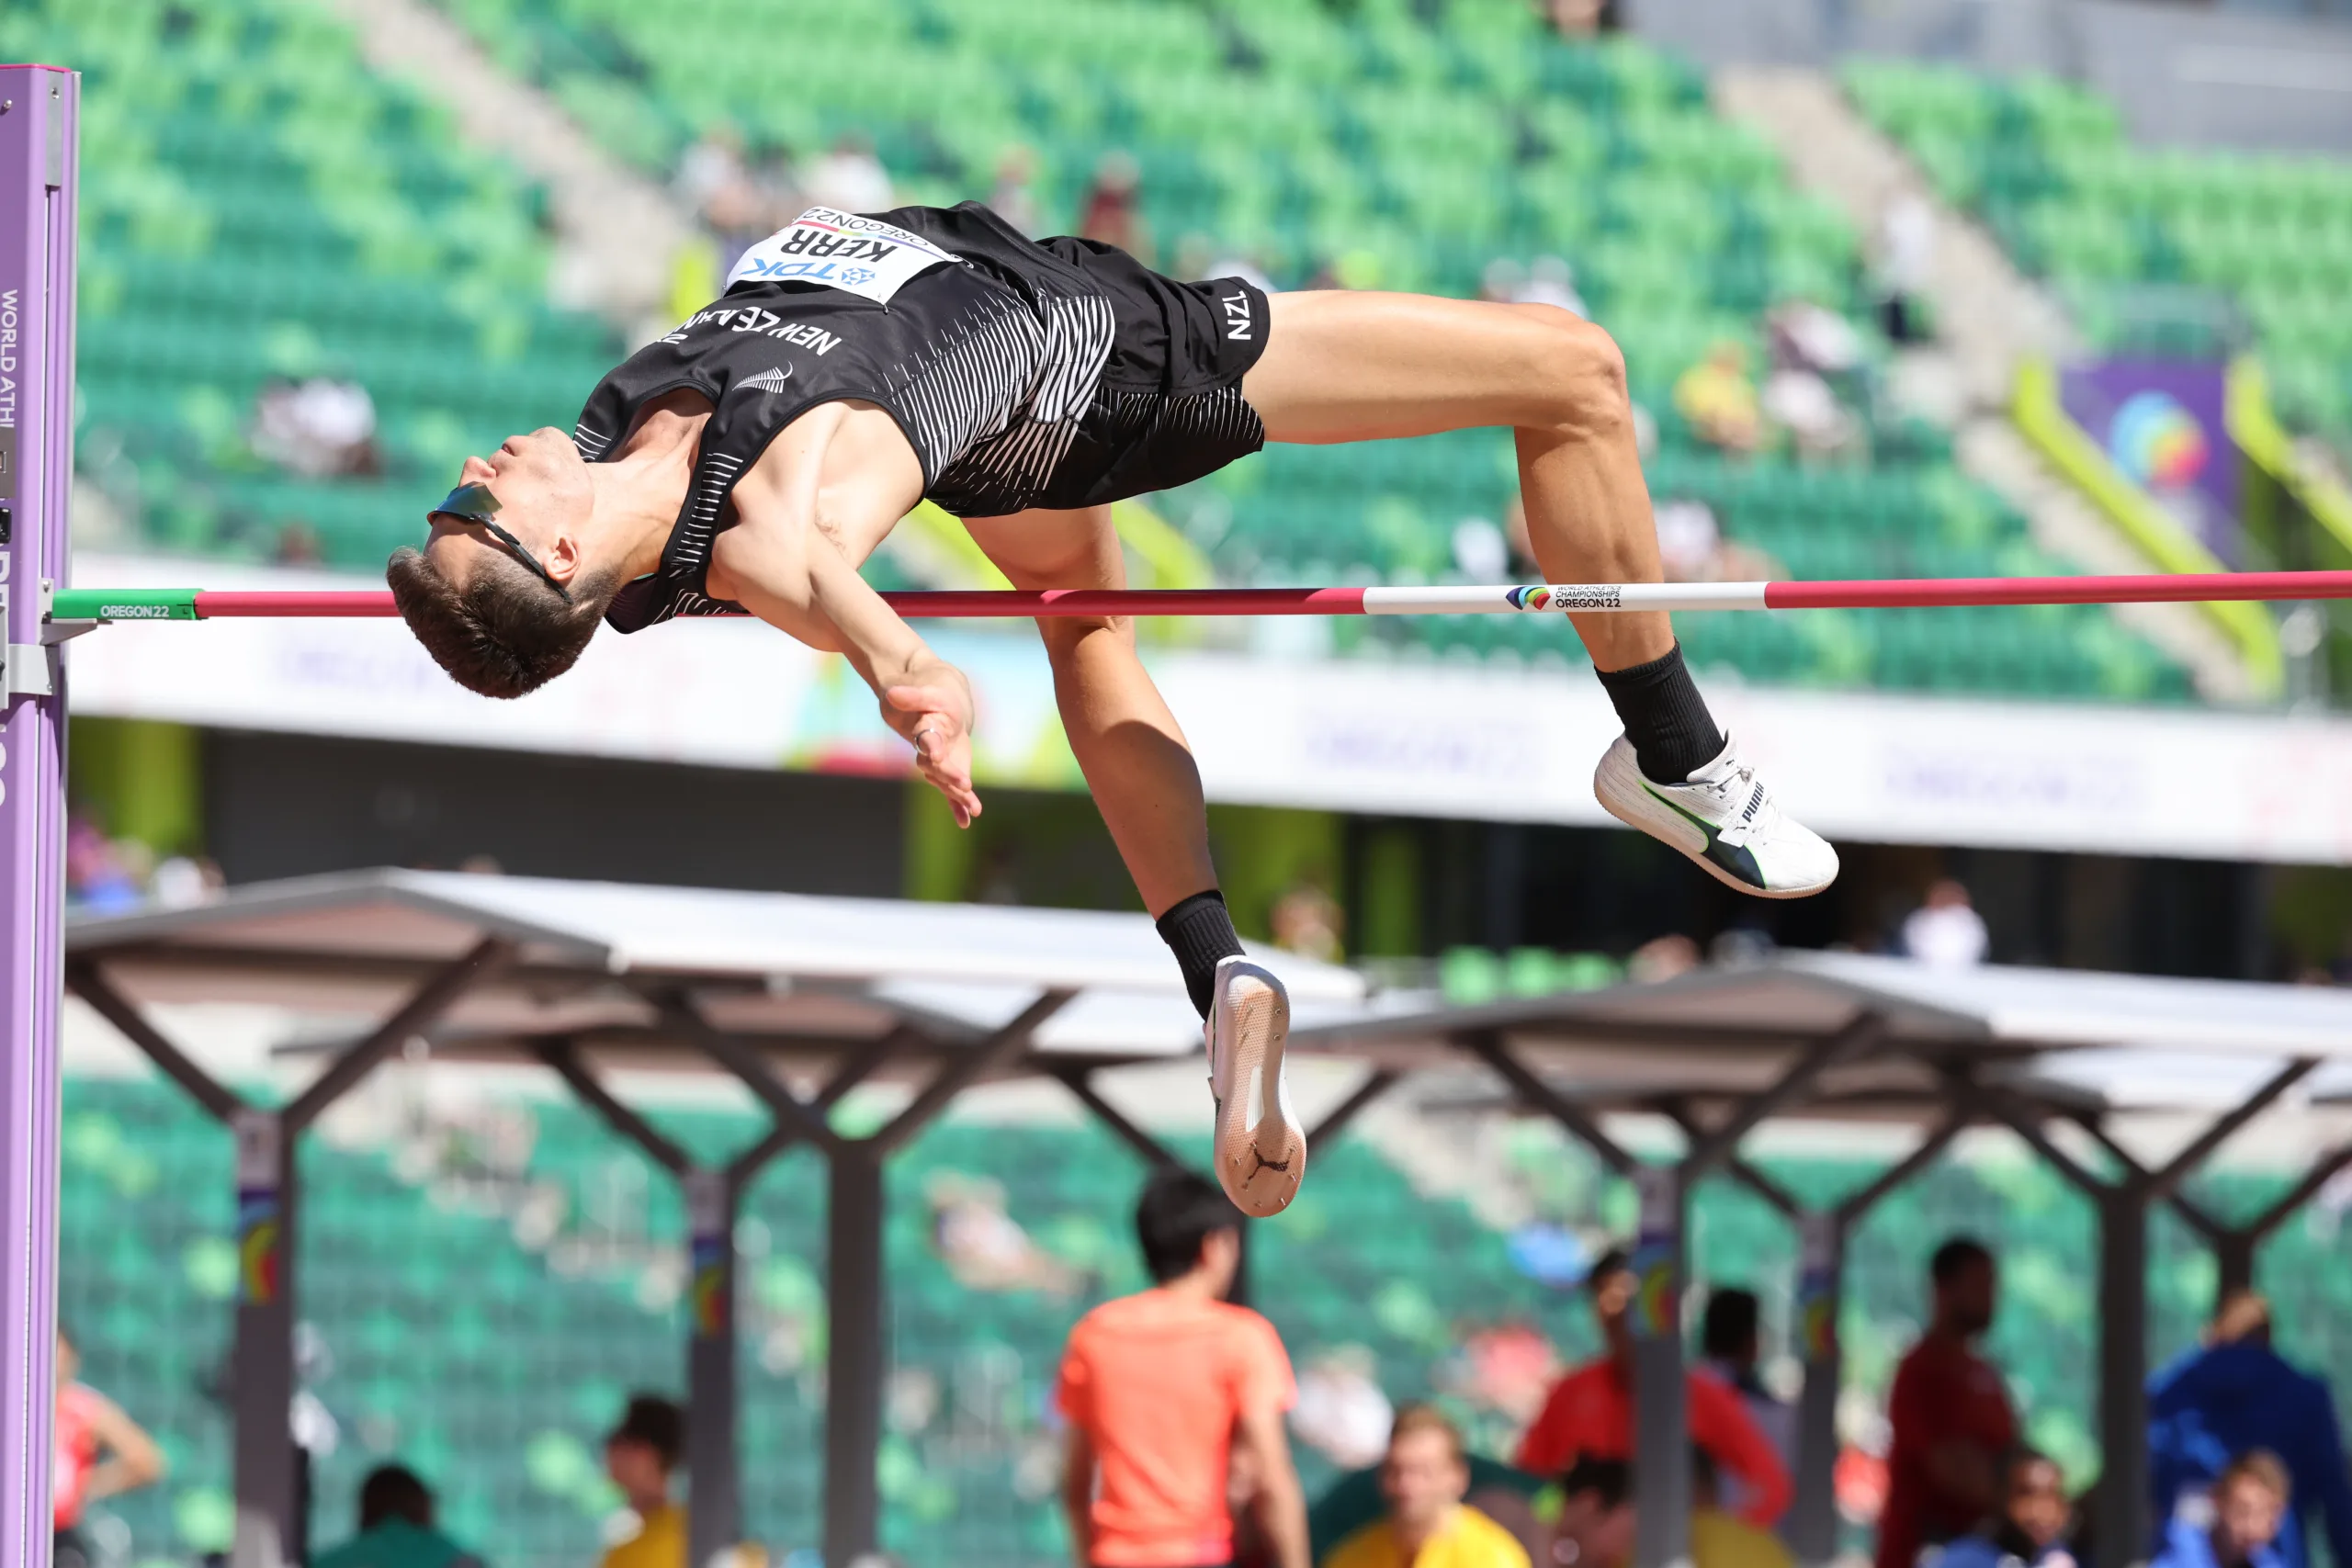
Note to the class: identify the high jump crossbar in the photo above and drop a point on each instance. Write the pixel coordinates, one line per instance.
(109, 605)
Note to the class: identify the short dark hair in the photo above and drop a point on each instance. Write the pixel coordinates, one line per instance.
(1610, 1479)
(505, 632)
(1178, 1213)
(1614, 1260)
(394, 1491)
(1730, 1328)
(657, 1423)
(1957, 1256)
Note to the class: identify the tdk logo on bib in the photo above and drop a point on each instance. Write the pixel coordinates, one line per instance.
(840, 250)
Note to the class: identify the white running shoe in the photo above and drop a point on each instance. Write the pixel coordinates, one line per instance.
(1724, 819)
(1260, 1151)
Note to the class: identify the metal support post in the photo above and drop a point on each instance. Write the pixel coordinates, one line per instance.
(37, 111)
(1821, 1273)
(269, 1524)
(855, 1354)
(714, 1509)
(1661, 1426)
(2120, 1517)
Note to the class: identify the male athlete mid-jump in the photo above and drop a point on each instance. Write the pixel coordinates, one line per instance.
(756, 455)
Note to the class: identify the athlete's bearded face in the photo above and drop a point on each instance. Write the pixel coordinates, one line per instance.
(544, 500)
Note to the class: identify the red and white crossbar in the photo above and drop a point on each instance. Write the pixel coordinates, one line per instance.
(201, 605)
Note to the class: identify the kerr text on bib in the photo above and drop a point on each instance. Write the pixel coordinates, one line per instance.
(840, 250)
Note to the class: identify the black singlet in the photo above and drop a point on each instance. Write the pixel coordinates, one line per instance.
(1059, 373)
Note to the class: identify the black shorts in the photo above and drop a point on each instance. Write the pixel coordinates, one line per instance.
(1168, 408)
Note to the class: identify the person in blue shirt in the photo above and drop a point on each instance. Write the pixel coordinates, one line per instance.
(2239, 1526)
(2234, 1394)
(2031, 1530)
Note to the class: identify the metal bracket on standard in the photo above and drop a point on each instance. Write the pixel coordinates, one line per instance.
(26, 669)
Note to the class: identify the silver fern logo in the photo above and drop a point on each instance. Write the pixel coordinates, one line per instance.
(771, 380)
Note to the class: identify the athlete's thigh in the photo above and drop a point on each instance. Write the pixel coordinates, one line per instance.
(1054, 549)
(1361, 366)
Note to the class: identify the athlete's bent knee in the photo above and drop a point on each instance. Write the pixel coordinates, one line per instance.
(1583, 380)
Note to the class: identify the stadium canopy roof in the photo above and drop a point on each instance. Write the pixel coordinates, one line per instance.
(2051, 1055)
(2078, 1040)
(803, 998)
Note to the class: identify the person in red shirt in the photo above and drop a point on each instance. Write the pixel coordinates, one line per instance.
(101, 1453)
(1173, 1392)
(1950, 1416)
(1589, 1413)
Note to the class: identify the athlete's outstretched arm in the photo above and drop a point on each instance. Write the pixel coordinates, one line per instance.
(784, 561)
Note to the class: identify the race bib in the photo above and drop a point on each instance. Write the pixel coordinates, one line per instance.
(840, 250)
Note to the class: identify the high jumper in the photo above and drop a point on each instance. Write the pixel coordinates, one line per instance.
(754, 456)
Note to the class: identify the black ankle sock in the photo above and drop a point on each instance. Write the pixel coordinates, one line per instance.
(1199, 930)
(1665, 718)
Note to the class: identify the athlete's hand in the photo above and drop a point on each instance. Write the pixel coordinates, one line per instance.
(935, 717)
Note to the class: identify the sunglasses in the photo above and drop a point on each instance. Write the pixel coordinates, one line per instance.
(473, 503)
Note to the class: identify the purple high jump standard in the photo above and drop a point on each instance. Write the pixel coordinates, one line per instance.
(37, 170)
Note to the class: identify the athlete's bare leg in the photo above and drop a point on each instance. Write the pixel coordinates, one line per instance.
(1128, 743)
(1361, 366)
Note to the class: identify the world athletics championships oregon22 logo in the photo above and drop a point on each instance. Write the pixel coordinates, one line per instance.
(2157, 443)
(1568, 597)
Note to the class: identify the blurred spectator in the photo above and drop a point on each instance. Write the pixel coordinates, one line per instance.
(2030, 1530)
(183, 883)
(1596, 1520)
(1904, 261)
(712, 166)
(1341, 1414)
(1011, 198)
(102, 875)
(318, 428)
(1806, 336)
(1578, 20)
(1549, 281)
(298, 545)
(396, 1529)
(1167, 1392)
(1800, 402)
(1425, 1477)
(1112, 210)
(1717, 397)
(100, 1452)
(1946, 932)
(1949, 1414)
(1691, 548)
(984, 1248)
(639, 1455)
(850, 178)
(1590, 1412)
(1481, 554)
(1731, 1346)
(2249, 1503)
(1308, 920)
(1662, 958)
(2235, 1394)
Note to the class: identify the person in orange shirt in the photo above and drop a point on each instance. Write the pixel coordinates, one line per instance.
(1589, 1413)
(1169, 1391)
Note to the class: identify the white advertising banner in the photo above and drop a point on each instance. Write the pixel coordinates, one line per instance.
(1431, 739)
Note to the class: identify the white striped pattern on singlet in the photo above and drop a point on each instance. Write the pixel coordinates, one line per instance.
(996, 406)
